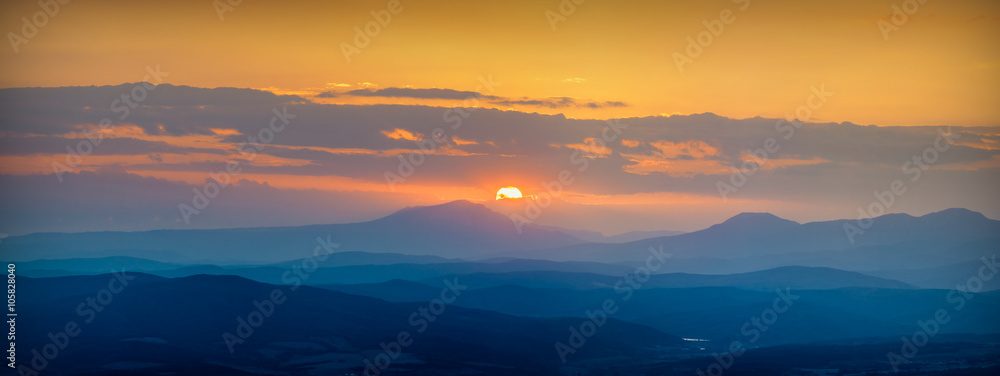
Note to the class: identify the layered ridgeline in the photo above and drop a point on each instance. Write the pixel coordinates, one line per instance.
(934, 250)
(527, 273)
(225, 325)
(892, 244)
(209, 325)
(755, 278)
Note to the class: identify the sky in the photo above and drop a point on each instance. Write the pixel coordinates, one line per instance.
(639, 111)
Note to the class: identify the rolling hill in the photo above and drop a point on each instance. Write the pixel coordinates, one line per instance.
(155, 325)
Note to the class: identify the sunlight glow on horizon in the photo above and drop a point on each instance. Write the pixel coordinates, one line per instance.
(508, 193)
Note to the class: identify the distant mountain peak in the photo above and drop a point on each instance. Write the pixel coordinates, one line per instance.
(748, 217)
(955, 214)
(896, 215)
(461, 203)
(451, 206)
(460, 213)
(755, 222)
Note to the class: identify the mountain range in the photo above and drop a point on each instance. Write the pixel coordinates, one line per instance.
(456, 229)
(461, 231)
(521, 295)
(765, 235)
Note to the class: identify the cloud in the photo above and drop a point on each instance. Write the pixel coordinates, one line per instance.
(112, 200)
(169, 109)
(677, 159)
(402, 134)
(558, 102)
(404, 92)
(22, 146)
(590, 148)
(13, 145)
(683, 154)
(461, 142)
(163, 95)
(449, 94)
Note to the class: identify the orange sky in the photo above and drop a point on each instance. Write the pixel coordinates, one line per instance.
(599, 60)
(940, 66)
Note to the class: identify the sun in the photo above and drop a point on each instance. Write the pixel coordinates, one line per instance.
(508, 192)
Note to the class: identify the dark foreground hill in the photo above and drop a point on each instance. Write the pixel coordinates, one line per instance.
(718, 313)
(157, 326)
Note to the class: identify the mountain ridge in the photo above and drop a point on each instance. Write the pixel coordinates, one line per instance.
(756, 234)
(464, 229)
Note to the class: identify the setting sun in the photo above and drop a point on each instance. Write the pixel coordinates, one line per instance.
(777, 159)
(508, 192)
